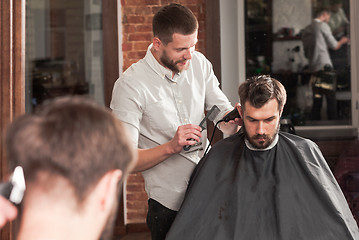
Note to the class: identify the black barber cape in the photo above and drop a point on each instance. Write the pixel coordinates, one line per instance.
(284, 193)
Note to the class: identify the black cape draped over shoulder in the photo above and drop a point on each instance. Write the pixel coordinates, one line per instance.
(285, 193)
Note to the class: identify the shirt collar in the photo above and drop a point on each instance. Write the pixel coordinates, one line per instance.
(251, 147)
(158, 68)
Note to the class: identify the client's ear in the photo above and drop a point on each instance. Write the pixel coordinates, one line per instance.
(239, 109)
(107, 189)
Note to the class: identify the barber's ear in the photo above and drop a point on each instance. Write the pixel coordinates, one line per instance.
(107, 189)
(156, 43)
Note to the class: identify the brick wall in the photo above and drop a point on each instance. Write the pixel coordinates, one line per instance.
(137, 35)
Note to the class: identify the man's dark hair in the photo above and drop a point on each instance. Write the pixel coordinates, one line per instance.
(320, 11)
(173, 18)
(332, 2)
(70, 138)
(258, 90)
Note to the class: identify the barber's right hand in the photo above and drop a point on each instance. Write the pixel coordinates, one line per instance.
(188, 134)
(8, 211)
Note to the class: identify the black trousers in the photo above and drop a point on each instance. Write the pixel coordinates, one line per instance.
(159, 219)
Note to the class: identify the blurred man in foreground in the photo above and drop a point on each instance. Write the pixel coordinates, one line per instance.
(74, 155)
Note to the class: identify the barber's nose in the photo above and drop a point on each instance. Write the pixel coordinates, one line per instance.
(189, 52)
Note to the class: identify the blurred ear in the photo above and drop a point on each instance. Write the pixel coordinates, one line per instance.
(107, 188)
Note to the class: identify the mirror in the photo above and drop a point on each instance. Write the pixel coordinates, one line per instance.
(64, 54)
(273, 41)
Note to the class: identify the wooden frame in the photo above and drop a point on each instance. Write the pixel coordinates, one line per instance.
(12, 83)
(12, 70)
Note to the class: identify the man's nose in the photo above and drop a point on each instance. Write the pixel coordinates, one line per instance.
(188, 54)
(260, 128)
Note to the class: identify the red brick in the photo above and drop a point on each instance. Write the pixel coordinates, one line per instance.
(128, 28)
(134, 188)
(135, 177)
(138, 196)
(141, 2)
(140, 37)
(137, 205)
(144, 28)
(141, 46)
(127, 47)
(136, 55)
(135, 19)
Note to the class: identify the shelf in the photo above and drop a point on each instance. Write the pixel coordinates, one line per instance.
(297, 38)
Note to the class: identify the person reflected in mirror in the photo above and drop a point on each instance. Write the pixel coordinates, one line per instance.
(317, 38)
(262, 183)
(75, 155)
(161, 99)
(338, 21)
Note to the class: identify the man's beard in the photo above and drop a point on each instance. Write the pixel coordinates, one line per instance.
(170, 64)
(267, 138)
(107, 232)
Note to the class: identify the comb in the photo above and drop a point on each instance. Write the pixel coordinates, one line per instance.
(211, 115)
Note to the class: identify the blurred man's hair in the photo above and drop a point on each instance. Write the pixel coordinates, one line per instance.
(71, 138)
(320, 11)
(258, 90)
(173, 18)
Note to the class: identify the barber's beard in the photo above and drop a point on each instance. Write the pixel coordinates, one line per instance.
(268, 139)
(170, 64)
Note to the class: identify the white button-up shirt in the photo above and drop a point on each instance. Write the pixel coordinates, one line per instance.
(152, 105)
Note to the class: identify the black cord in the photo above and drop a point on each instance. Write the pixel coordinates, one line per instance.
(210, 141)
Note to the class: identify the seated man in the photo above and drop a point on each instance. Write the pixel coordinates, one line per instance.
(74, 155)
(262, 183)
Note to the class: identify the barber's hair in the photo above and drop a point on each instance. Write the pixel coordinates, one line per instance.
(71, 138)
(173, 18)
(258, 90)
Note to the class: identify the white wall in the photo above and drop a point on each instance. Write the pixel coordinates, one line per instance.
(232, 47)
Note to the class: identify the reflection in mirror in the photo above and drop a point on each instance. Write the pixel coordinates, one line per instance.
(63, 50)
(308, 52)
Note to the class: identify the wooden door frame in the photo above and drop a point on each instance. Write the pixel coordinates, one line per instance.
(12, 70)
(12, 84)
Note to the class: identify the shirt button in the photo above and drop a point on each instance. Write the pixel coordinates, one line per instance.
(186, 120)
(179, 101)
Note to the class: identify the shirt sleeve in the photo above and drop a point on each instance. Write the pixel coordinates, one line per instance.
(328, 36)
(126, 106)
